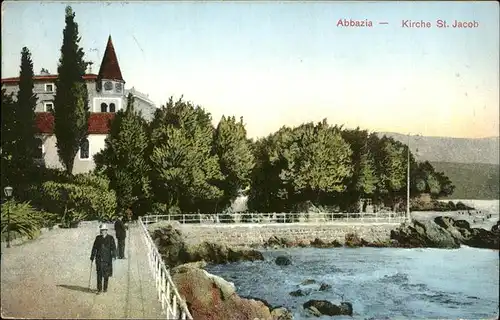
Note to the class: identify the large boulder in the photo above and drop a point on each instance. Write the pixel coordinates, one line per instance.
(210, 297)
(419, 234)
(324, 307)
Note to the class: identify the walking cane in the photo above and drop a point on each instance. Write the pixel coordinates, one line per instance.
(90, 275)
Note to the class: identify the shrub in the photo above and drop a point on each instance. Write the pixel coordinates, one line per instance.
(24, 219)
(76, 202)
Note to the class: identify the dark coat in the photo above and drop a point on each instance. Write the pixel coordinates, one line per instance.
(104, 251)
(120, 230)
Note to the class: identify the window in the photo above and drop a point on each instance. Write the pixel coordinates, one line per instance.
(112, 107)
(104, 107)
(85, 150)
(48, 106)
(49, 87)
(39, 149)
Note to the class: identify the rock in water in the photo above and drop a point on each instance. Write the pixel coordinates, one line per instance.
(327, 308)
(324, 287)
(283, 261)
(281, 313)
(423, 234)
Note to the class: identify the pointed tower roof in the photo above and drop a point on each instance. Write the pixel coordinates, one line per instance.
(110, 69)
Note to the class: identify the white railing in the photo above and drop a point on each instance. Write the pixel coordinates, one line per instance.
(171, 302)
(271, 218)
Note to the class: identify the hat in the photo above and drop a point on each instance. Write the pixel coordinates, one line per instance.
(103, 227)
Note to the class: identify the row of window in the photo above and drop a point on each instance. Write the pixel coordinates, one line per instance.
(84, 152)
(49, 107)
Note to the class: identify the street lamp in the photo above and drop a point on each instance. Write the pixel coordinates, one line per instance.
(8, 194)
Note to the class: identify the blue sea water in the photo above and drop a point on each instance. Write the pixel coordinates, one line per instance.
(381, 283)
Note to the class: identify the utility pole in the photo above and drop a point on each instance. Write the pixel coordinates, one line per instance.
(408, 218)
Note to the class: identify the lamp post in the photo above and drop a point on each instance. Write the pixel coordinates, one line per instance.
(8, 194)
(408, 218)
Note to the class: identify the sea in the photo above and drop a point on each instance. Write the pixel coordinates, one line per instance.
(381, 283)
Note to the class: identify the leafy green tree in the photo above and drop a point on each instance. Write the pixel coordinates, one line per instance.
(184, 171)
(364, 180)
(235, 158)
(71, 107)
(306, 163)
(390, 159)
(8, 137)
(25, 126)
(446, 186)
(123, 158)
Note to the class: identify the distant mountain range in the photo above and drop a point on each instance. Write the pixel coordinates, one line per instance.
(446, 149)
(471, 164)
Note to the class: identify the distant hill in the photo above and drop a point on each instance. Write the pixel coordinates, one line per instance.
(472, 180)
(446, 149)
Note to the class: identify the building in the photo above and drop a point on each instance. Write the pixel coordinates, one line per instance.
(107, 95)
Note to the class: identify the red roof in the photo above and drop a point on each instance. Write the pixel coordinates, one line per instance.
(49, 77)
(99, 122)
(110, 69)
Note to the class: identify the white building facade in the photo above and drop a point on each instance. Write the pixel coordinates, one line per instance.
(107, 95)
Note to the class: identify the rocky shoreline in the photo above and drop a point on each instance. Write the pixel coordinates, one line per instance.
(211, 297)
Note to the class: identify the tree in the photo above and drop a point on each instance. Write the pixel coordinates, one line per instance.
(235, 158)
(295, 165)
(71, 107)
(8, 136)
(25, 126)
(123, 158)
(184, 171)
(364, 179)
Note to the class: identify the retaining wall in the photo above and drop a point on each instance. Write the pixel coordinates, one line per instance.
(255, 234)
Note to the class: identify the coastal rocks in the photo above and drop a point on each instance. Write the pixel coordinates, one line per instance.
(324, 287)
(210, 297)
(175, 251)
(281, 313)
(318, 243)
(324, 307)
(276, 242)
(307, 282)
(352, 240)
(283, 261)
(444, 232)
(496, 228)
(423, 235)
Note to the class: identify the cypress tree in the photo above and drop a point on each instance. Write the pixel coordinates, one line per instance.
(71, 107)
(25, 126)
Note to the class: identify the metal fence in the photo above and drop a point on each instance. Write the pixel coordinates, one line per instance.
(171, 302)
(272, 218)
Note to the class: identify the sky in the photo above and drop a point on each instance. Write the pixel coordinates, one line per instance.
(286, 63)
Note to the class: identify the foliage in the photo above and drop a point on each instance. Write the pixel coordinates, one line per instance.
(24, 219)
(235, 159)
(76, 202)
(8, 136)
(183, 168)
(25, 129)
(308, 162)
(71, 110)
(123, 159)
(364, 180)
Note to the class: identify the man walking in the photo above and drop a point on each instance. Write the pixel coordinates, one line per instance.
(121, 233)
(104, 251)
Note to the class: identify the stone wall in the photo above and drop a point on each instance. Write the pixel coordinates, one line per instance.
(253, 234)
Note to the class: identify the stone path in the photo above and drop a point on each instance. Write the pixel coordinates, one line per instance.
(49, 278)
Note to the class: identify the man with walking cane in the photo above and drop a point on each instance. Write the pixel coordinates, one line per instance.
(104, 252)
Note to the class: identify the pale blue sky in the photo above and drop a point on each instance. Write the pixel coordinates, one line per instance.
(286, 63)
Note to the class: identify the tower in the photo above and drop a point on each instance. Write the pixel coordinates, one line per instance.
(110, 85)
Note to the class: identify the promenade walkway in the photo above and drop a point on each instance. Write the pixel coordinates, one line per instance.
(48, 278)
